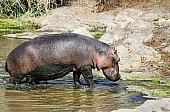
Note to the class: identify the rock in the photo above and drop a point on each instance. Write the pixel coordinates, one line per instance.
(113, 33)
(142, 74)
(138, 32)
(139, 27)
(26, 35)
(130, 12)
(167, 33)
(127, 61)
(167, 49)
(107, 38)
(54, 28)
(125, 75)
(168, 22)
(104, 17)
(162, 82)
(153, 41)
(123, 21)
(163, 44)
(11, 35)
(150, 17)
(73, 18)
(136, 98)
(29, 35)
(83, 31)
(127, 16)
(157, 12)
(161, 105)
(163, 22)
(134, 56)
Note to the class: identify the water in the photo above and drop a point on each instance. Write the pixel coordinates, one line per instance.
(62, 95)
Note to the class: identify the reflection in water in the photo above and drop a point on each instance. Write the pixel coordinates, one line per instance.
(60, 94)
(57, 99)
(64, 96)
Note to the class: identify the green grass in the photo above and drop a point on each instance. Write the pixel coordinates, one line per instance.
(98, 32)
(154, 86)
(8, 26)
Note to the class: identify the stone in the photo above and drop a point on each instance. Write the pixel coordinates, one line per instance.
(11, 35)
(139, 27)
(26, 35)
(127, 62)
(157, 10)
(83, 31)
(150, 17)
(114, 32)
(141, 74)
(167, 49)
(134, 55)
(146, 52)
(126, 75)
(104, 17)
(163, 22)
(168, 22)
(155, 106)
(130, 12)
(127, 16)
(123, 21)
(167, 33)
(160, 105)
(54, 28)
(107, 38)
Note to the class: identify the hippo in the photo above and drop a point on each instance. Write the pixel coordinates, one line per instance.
(53, 56)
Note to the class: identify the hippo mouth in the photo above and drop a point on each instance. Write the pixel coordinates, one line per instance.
(112, 74)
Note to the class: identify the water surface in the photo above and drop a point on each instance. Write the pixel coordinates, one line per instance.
(62, 95)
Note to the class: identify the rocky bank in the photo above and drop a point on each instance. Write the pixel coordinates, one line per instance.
(161, 105)
(141, 36)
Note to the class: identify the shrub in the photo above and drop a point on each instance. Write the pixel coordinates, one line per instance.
(15, 8)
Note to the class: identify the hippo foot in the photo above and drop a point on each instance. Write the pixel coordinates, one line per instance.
(34, 81)
(30, 80)
(78, 83)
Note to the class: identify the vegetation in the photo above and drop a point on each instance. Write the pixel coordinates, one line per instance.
(154, 86)
(98, 32)
(15, 26)
(16, 8)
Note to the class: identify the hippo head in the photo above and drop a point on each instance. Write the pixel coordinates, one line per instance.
(112, 73)
(111, 69)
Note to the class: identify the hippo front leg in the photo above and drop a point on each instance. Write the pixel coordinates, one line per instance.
(76, 77)
(88, 76)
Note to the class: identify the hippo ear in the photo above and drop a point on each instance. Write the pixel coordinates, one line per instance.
(115, 55)
(113, 51)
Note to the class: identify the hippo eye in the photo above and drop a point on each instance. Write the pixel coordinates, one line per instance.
(115, 52)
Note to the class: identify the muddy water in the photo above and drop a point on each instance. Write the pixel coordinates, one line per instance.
(61, 94)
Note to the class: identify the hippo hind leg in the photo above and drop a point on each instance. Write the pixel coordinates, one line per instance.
(76, 77)
(12, 80)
